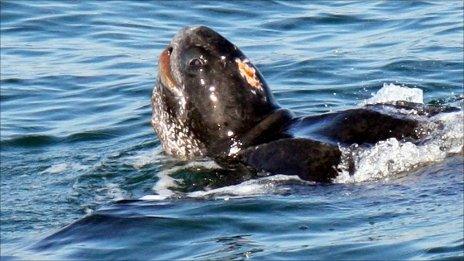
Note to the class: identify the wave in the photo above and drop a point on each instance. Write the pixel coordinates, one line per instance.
(42, 140)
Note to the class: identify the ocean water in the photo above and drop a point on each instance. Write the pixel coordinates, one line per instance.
(83, 175)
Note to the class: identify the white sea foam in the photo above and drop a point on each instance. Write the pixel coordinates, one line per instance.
(277, 184)
(153, 197)
(147, 157)
(114, 192)
(57, 168)
(163, 187)
(110, 191)
(62, 167)
(165, 184)
(265, 185)
(390, 93)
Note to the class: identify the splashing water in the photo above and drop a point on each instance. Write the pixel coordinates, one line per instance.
(392, 156)
(390, 93)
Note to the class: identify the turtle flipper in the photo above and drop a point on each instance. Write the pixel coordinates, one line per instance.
(310, 160)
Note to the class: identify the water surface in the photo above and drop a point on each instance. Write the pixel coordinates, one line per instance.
(77, 149)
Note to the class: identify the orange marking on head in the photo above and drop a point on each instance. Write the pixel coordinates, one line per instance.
(165, 69)
(249, 73)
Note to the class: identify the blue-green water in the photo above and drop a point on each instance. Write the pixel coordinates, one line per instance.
(77, 148)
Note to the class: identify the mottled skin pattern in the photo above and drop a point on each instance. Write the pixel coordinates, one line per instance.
(211, 101)
(177, 139)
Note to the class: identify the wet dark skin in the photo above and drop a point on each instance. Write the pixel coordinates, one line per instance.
(210, 101)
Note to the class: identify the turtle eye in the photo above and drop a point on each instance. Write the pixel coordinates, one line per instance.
(196, 63)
